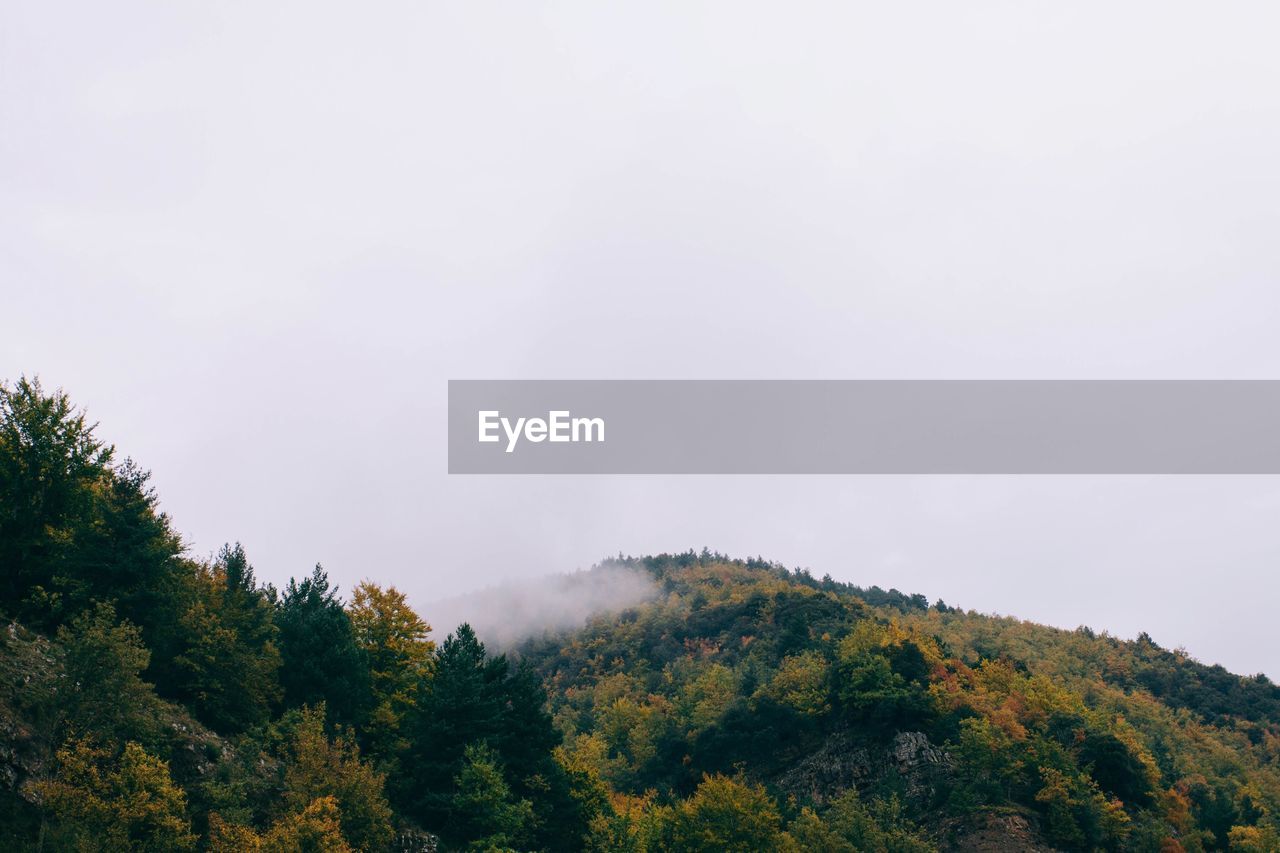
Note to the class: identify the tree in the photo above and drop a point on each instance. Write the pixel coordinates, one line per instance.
(315, 829)
(394, 641)
(102, 692)
(49, 462)
(882, 677)
(320, 659)
(227, 670)
(485, 814)
(726, 814)
(318, 767)
(878, 826)
(100, 803)
(76, 530)
(124, 550)
(473, 699)
(801, 683)
(812, 835)
(456, 707)
(1254, 839)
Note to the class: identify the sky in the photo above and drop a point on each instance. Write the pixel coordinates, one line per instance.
(255, 240)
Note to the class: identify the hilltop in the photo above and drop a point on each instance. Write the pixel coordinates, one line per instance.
(964, 727)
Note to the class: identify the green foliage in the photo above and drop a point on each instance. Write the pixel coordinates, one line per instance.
(879, 827)
(471, 699)
(321, 662)
(227, 669)
(458, 706)
(50, 465)
(882, 677)
(74, 529)
(487, 816)
(100, 690)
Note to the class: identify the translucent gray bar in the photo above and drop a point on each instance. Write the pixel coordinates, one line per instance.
(871, 427)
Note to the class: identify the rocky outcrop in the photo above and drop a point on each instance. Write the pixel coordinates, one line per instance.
(416, 841)
(25, 657)
(997, 832)
(842, 763)
(918, 769)
(27, 730)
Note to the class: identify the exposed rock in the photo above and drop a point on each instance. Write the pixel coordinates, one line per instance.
(416, 841)
(26, 746)
(24, 657)
(997, 832)
(842, 764)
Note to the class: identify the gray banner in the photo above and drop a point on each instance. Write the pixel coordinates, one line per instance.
(863, 427)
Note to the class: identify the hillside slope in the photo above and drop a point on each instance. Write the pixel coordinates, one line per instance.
(965, 729)
(153, 701)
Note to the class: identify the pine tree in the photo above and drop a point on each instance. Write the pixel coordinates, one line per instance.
(49, 463)
(320, 659)
(457, 706)
(484, 814)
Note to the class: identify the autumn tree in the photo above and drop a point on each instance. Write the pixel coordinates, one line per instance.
(315, 829)
(394, 640)
(801, 683)
(317, 766)
(725, 815)
(101, 802)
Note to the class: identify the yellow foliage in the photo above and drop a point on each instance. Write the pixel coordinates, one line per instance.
(801, 682)
(315, 829)
(320, 768)
(100, 803)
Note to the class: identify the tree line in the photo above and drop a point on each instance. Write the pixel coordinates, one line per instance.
(151, 700)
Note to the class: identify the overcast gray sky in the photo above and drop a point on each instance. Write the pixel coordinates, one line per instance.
(256, 239)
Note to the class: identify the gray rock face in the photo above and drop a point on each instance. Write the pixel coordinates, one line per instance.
(911, 750)
(841, 764)
(916, 767)
(24, 657)
(998, 833)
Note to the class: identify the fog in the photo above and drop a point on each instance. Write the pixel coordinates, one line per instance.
(256, 240)
(504, 615)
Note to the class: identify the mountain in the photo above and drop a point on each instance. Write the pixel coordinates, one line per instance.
(966, 728)
(689, 702)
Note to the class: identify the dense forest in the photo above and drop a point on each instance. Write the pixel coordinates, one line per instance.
(152, 700)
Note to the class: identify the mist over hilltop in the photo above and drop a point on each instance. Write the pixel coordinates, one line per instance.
(505, 614)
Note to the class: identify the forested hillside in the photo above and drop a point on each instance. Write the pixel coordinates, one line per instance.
(152, 700)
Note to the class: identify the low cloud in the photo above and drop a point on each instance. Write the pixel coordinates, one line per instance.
(504, 615)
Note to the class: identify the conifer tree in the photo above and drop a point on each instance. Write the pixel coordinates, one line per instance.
(320, 659)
